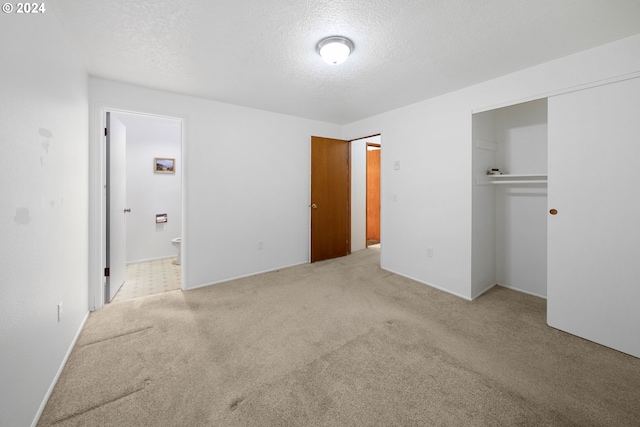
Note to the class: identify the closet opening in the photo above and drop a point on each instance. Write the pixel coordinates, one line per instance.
(509, 228)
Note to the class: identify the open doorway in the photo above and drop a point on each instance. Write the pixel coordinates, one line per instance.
(339, 191)
(144, 205)
(373, 194)
(365, 192)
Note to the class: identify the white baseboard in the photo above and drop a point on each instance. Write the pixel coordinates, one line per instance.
(204, 285)
(429, 284)
(464, 296)
(487, 289)
(57, 377)
(151, 259)
(513, 288)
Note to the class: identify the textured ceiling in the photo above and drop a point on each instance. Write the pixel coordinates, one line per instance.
(261, 53)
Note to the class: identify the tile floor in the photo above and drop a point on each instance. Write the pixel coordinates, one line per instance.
(148, 278)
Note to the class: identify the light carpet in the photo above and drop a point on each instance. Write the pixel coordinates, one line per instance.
(338, 343)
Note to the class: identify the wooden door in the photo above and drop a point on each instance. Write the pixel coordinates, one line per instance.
(330, 198)
(593, 252)
(373, 194)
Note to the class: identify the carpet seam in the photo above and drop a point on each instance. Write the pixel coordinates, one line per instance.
(117, 336)
(77, 414)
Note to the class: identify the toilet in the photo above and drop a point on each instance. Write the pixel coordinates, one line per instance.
(177, 242)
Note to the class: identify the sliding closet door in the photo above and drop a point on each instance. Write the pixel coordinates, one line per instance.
(593, 285)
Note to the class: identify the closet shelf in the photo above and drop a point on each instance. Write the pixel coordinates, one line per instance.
(512, 179)
(541, 175)
(520, 181)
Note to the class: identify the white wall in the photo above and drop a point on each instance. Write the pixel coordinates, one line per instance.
(150, 193)
(483, 221)
(44, 211)
(359, 191)
(521, 211)
(432, 141)
(246, 175)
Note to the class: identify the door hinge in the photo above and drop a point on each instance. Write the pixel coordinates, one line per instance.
(105, 131)
(106, 272)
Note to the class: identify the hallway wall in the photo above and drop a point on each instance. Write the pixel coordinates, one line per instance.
(44, 211)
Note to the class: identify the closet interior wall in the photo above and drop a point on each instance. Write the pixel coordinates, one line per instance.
(510, 214)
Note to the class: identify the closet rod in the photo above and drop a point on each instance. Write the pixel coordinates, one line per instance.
(521, 181)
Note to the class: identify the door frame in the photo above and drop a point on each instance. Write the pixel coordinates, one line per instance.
(359, 240)
(110, 220)
(366, 222)
(97, 198)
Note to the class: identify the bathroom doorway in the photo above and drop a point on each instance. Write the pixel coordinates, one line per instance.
(145, 257)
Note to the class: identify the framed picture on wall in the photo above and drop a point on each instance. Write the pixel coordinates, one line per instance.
(164, 165)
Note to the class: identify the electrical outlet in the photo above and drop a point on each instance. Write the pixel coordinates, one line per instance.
(396, 165)
(60, 311)
(260, 244)
(430, 252)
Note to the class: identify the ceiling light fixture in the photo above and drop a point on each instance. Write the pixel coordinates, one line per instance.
(334, 50)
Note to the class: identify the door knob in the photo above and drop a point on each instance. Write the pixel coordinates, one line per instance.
(553, 211)
(127, 210)
(313, 206)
